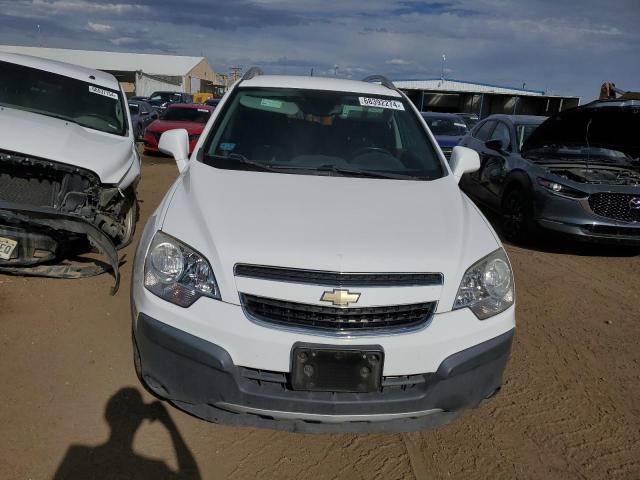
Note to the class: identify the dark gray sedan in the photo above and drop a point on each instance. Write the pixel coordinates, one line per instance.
(142, 114)
(578, 173)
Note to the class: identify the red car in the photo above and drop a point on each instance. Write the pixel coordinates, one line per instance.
(191, 117)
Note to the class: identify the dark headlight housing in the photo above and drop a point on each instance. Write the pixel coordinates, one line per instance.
(561, 190)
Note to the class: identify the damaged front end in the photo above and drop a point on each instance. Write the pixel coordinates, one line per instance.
(50, 212)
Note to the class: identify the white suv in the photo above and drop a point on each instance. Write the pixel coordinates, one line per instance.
(315, 267)
(68, 167)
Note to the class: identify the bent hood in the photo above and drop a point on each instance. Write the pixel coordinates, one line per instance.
(611, 127)
(109, 156)
(341, 224)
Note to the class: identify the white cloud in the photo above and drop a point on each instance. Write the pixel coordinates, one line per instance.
(99, 27)
(398, 61)
(86, 6)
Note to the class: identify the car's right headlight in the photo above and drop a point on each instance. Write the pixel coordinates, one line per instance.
(177, 273)
(487, 286)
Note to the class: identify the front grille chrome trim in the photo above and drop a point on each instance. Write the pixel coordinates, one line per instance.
(337, 279)
(326, 331)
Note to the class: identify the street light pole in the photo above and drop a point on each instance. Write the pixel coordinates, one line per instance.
(444, 59)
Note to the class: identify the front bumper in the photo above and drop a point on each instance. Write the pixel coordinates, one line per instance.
(575, 218)
(201, 378)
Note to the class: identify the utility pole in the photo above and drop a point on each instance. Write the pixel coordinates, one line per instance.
(236, 73)
(444, 59)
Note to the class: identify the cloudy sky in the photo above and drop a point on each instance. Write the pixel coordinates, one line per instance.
(565, 46)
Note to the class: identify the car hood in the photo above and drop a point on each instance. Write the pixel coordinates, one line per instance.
(164, 125)
(342, 224)
(611, 127)
(109, 156)
(447, 141)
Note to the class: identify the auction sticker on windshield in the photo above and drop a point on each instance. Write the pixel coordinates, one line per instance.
(6, 247)
(381, 102)
(103, 92)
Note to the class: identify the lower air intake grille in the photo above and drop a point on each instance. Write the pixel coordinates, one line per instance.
(304, 315)
(618, 206)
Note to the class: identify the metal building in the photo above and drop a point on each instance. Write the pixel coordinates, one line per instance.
(138, 73)
(446, 95)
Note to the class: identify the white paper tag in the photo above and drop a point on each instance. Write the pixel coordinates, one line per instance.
(103, 92)
(267, 102)
(381, 102)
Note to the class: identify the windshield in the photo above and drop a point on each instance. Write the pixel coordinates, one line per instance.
(322, 133)
(447, 126)
(523, 131)
(58, 96)
(164, 97)
(196, 115)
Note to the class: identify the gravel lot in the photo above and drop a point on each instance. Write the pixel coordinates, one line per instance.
(570, 407)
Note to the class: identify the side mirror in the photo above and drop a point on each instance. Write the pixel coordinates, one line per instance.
(463, 160)
(495, 145)
(176, 144)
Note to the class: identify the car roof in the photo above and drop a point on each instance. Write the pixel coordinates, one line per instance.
(100, 78)
(535, 119)
(190, 106)
(319, 83)
(612, 102)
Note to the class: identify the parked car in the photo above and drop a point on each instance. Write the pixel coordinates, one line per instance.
(212, 102)
(137, 97)
(471, 119)
(577, 173)
(315, 267)
(448, 128)
(189, 116)
(161, 100)
(142, 114)
(68, 167)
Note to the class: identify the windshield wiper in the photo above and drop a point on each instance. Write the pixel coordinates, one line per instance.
(243, 160)
(347, 171)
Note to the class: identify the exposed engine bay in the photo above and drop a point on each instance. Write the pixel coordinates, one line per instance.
(597, 174)
(52, 211)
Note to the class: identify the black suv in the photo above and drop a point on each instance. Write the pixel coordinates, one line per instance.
(576, 173)
(161, 100)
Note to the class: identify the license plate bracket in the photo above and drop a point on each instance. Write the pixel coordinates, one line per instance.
(7, 246)
(323, 368)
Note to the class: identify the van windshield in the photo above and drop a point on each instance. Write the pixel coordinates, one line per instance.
(62, 97)
(316, 132)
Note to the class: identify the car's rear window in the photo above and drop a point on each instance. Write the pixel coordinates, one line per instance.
(312, 132)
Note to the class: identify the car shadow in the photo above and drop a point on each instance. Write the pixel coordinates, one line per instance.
(551, 242)
(115, 459)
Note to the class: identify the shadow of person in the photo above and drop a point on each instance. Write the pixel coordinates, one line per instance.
(115, 459)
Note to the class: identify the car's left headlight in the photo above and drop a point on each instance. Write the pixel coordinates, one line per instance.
(487, 286)
(177, 273)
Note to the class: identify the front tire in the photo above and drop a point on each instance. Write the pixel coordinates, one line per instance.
(130, 220)
(517, 216)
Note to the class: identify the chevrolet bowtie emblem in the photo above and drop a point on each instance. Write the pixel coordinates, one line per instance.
(341, 298)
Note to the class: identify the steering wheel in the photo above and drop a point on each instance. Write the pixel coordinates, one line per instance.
(364, 150)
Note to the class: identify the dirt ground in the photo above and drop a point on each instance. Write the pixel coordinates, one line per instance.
(570, 407)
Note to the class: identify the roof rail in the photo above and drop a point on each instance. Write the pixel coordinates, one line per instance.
(252, 72)
(384, 81)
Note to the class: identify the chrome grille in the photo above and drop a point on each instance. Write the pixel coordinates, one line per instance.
(615, 205)
(447, 153)
(293, 314)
